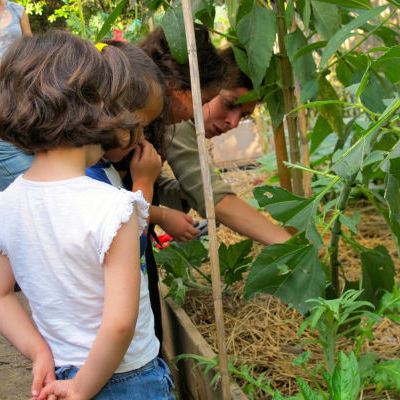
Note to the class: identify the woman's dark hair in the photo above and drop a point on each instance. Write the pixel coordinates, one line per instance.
(236, 77)
(145, 76)
(211, 66)
(58, 90)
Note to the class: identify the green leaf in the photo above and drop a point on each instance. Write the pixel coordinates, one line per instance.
(333, 113)
(174, 29)
(234, 260)
(307, 392)
(321, 131)
(345, 32)
(108, 23)
(392, 197)
(290, 209)
(346, 382)
(274, 97)
(389, 64)
(309, 48)
(306, 14)
(350, 222)
(386, 374)
(302, 359)
(232, 7)
(304, 66)
(256, 32)
(326, 18)
(303, 280)
(179, 256)
(377, 273)
(204, 11)
(245, 7)
(356, 4)
(241, 60)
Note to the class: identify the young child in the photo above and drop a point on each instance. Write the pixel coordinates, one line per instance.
(72, 243)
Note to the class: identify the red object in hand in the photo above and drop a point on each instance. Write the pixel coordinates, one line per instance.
(163, 240)
(119, 35)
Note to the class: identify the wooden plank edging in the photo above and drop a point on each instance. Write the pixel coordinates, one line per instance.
(181, 336)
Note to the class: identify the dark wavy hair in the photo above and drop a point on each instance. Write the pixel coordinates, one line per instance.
(212, 67)
(144, 77)
(58, 90)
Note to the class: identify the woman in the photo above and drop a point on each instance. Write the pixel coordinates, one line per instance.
(13, 23)
(186, 191)
(212, 69)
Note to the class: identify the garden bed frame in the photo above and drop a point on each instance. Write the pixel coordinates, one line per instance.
(181, 336)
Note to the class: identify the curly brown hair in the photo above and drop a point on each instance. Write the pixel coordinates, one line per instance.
(57, 90)
(212, 67)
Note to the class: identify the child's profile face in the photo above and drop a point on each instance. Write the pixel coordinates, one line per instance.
(145, 115)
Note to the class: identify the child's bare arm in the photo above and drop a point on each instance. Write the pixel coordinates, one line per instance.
(176, 223)
(18, 328)
(121, 303)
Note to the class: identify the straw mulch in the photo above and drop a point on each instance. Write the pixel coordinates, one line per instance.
(263, 332)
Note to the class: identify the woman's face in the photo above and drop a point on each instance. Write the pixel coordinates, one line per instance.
(181, 103)
(221, 114)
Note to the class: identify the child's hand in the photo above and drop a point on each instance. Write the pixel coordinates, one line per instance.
(60, 390)
(42, 372)
(178, 225)
(145, 164)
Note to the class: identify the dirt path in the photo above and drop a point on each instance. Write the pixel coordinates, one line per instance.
(15, 370)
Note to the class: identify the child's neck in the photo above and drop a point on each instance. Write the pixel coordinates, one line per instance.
(58, 164)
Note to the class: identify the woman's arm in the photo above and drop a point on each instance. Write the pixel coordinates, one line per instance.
(18, 328)
(246, 220)
(25, 26)
(121, 304)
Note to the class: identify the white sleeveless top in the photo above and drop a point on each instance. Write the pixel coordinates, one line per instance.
(55, 235)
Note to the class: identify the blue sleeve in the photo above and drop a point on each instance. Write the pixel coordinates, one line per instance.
(98, 174)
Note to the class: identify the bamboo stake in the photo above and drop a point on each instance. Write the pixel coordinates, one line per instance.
(288, 93)
(208, 196)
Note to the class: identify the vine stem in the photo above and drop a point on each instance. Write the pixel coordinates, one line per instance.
(336, 230)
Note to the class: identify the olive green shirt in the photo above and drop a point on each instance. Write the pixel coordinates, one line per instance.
(183, 158)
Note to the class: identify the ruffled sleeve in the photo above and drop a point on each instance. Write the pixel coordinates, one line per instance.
(125, 203)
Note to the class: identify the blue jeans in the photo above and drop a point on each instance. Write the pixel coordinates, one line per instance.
(151, 382)
(13, 162)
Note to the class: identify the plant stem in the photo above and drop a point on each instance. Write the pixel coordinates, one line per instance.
(196, 285)
(336, 230)
(82, 19)
(206, 277)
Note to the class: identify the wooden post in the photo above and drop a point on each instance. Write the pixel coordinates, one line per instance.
(208, 195)
(281, 157)
(288, 94)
